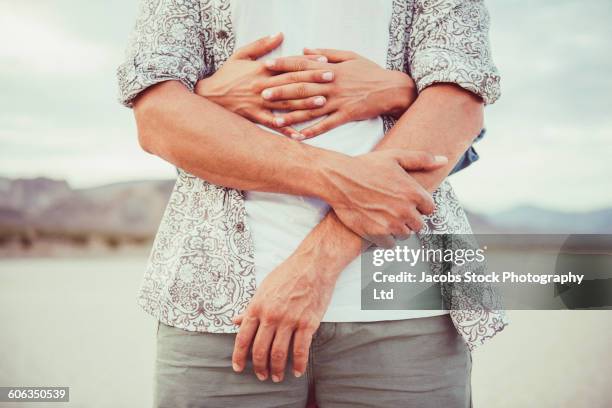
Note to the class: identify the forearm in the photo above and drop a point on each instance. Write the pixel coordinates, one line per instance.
(443, 121)
(223, 148)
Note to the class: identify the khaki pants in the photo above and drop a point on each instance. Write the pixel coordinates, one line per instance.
(420, 363)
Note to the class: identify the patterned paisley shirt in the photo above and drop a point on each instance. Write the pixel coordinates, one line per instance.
(201, 271)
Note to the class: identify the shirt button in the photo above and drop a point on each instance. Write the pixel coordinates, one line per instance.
(240, 227)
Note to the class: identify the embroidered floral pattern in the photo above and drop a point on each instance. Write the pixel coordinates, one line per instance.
(201, 269)
(448, 41)
(473, 308)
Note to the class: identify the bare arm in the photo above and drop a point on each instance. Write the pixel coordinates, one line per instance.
(161, 69)
(420, 127)
(224, 148)
(162, 66)
(372, 193)
(444, 120)
(448, 44)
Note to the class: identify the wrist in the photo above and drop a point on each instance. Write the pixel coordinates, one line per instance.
(207, 88)
(312, 260)
(327, 250)
(320, 165)
(201, 87)
(400, 93)
(326, 167)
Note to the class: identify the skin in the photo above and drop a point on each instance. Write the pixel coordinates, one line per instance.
(373, 196)
(443, 119)
(237, 86)
(348, 88)
(361, 89)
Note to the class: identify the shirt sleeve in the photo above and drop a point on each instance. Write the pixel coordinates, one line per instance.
(167, 44)
(449, 42)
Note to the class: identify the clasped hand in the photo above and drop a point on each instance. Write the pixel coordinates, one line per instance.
(336, 86)
(372, 194)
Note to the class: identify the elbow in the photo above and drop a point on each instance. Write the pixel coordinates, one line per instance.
(145, 137)
(464, 103)
(148, 117)
(145, 143)
(469, 104)
(473, 107)
(156, 110)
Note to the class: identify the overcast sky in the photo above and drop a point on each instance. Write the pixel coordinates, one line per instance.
(549, 139)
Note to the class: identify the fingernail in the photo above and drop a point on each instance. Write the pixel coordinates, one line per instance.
(261, 377)
(275, 378)
(322, 59)
(327, 76)
(279, 122)
(270, 63)
(297, 374)
(274, 36)
(266, 94)
(319, 100)
(297, 136)
(441, 159)
(236, 367)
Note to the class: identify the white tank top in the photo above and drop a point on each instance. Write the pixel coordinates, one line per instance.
(279, 222)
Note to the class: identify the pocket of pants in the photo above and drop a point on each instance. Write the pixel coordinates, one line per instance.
(196, 349)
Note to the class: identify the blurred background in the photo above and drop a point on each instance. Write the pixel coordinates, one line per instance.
(80, 202)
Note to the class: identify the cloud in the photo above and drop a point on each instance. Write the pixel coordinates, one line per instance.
(549, 137)
(85, 156)
(44, 49)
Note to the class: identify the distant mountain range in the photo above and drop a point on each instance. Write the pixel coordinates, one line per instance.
(32, 208)
(528, 218)
(44, 207)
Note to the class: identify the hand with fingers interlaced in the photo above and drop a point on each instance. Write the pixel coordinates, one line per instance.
(372, 194)
(360, 89)
(334, 86)
(238, 85)
(292, 299)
